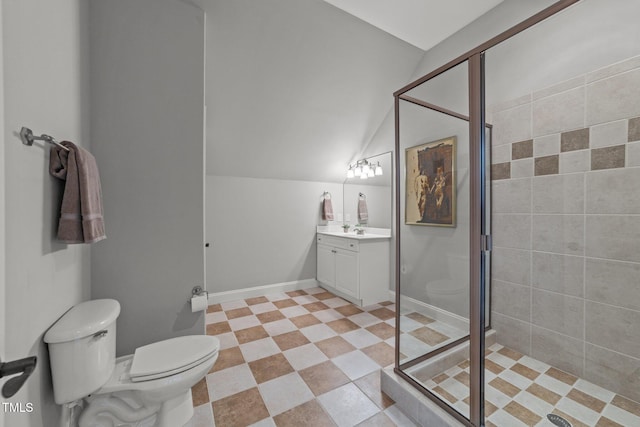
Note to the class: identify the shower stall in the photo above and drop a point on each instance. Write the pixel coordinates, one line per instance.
(518, 230)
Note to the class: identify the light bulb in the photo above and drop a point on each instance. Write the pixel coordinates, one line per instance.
(364, 176)
(378, 169)
(357, 171)
(350, 173)
(366, 168)
(371, 173)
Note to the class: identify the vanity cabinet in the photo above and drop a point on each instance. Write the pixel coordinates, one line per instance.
(355, 269)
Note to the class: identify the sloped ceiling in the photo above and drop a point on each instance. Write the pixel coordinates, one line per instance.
(423, 23)
(296, 88)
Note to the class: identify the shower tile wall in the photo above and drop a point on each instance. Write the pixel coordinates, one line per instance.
(566, 224)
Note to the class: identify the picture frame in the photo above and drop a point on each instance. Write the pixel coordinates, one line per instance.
(430, 190)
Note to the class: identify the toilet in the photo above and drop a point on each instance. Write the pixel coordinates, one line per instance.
(151, 387)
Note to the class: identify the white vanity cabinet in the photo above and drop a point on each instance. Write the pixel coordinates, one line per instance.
(356, 269)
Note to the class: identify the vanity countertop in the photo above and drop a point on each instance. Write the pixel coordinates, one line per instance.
(352, 235)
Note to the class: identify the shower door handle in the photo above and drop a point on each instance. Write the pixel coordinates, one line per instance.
(485, 241)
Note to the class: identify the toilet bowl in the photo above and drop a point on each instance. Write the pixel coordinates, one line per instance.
(151, 387)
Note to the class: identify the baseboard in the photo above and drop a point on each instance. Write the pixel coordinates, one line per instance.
(431, 311)
(257, 291)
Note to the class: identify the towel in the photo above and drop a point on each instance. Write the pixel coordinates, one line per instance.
(81, 218)
(363, 212)
(327, 209)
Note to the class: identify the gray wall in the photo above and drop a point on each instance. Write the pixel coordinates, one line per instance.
(147, 130)
(45, 88)
(295, 88)
(433, 256)
(296, 95)
(3, 300)
(379, 204)
(262, 231)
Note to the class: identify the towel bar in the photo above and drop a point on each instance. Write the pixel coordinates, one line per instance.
(27, 137)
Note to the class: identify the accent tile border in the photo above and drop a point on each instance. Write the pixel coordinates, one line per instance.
(575, 141)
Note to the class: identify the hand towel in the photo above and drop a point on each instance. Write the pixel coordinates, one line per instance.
(327, 208)
(363, 212)
(81, 214)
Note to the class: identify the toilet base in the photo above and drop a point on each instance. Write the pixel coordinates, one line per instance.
(126, 409)
(176, 412)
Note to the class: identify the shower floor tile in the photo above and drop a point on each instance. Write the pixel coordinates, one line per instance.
(521, 391)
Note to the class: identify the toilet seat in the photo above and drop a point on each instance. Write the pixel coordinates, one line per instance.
(170, 357)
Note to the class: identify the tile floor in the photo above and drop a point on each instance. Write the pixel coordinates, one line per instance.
(310, 358)
(520, 391)
(301, 358)
(421, 334)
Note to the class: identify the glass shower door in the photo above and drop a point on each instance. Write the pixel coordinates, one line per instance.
(434, 228)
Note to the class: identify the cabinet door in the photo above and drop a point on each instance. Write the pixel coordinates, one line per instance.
(347, 272)
(326, 268)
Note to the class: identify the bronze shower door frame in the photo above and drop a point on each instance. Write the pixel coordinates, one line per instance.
(479, 241)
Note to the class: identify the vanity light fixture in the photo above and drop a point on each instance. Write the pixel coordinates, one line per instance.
(364, 169)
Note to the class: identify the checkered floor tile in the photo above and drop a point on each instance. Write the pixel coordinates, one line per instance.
(520, 391)
(301, 358)
(420, 334)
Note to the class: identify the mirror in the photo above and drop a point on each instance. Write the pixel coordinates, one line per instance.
(376, 193)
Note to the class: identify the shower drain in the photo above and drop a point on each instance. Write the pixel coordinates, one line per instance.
(558, 420)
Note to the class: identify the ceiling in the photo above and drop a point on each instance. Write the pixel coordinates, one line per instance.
(422, 23)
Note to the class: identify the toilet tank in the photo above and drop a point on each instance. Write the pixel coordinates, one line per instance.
(82, 349)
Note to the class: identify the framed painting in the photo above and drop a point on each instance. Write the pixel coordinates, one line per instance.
(430, 196)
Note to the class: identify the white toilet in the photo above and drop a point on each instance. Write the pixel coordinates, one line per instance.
(151, 387)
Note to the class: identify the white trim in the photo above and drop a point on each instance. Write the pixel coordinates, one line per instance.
(431, 311)
(257, 291)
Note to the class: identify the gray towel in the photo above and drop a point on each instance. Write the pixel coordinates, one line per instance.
(327, 209)
(363, 212)
(81, 218)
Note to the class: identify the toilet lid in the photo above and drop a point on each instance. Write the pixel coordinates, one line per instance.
(172, 356)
